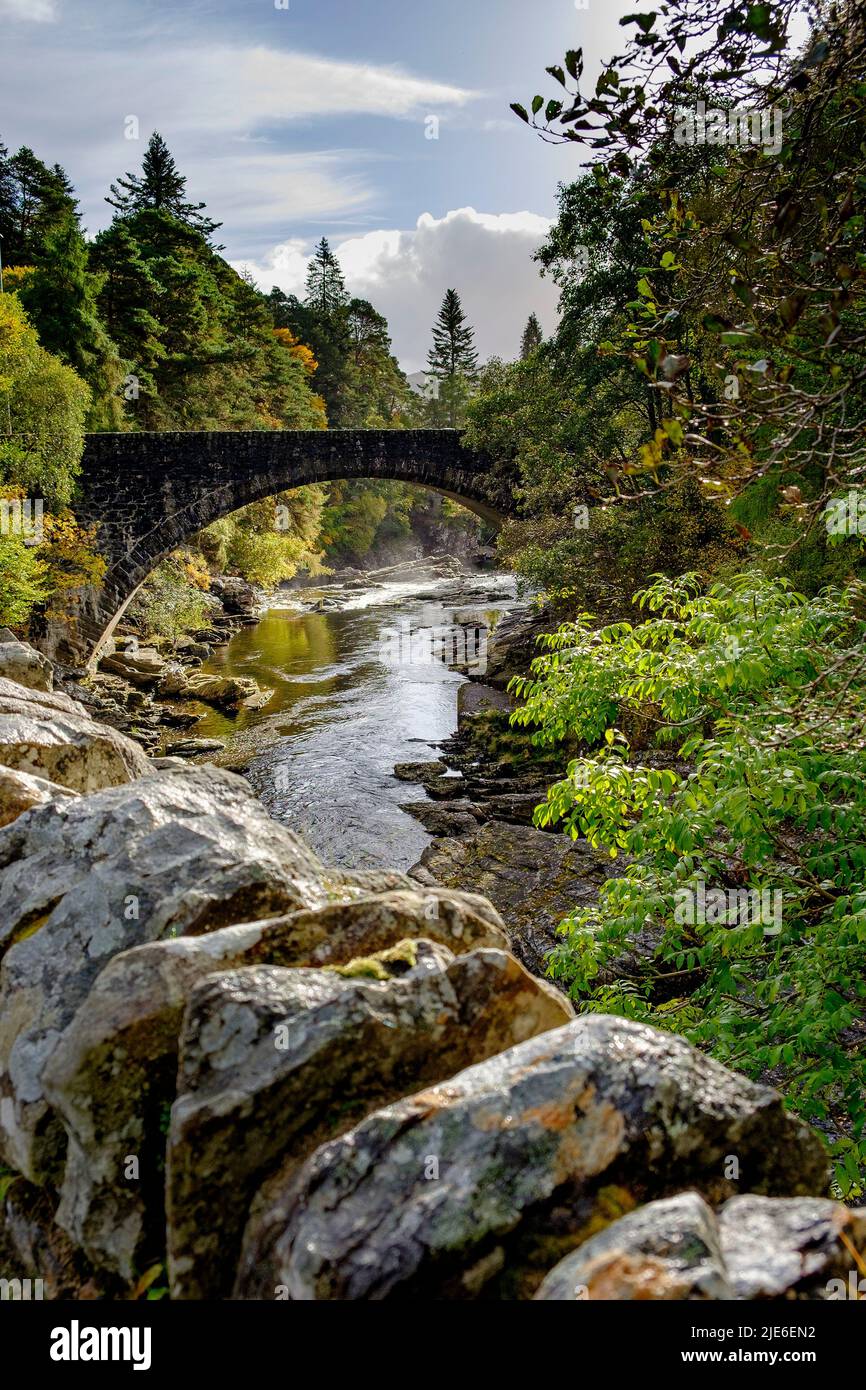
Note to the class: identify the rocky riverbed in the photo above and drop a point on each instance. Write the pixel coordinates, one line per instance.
(230, 1070)
(474, 801)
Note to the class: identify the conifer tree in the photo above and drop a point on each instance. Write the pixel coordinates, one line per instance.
(33, 199)
(160, 186)
(532, 337)
(453, 352)
(326, 288)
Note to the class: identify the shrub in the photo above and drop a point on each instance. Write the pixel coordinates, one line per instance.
(169, 605)
(760, 691)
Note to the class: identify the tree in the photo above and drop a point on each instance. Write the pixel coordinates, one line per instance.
(453, 352)
(532, 337)
(60, 296)
(48, 405)
(326, 288)
(160, 186)
(32, 200)
(452, 363)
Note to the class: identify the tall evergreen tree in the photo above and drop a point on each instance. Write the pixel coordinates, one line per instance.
(326, 288)
(452, 364)
(33, 199)
(453, 352)
(532, 337)
(160, 186)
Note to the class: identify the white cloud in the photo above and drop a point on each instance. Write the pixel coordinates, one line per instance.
(266, 188)
(225, 113)
(486, 257)
(38, 10)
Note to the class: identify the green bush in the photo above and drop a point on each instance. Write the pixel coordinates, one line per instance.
(760, 815)
(23, 580)
(169, 604)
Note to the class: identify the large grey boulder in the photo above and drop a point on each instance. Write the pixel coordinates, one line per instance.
(756, 1248)
(796, 1248)
(25, 666)
(112, 1074)
(48, 735)
(86, 878)
(667, 1250)
(531, 1148)
(273, 1061)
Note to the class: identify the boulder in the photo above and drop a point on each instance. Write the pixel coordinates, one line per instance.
(455, 819)
(20, 792)
(227, 692)
(341, 932)
(85, 878)
(796, 1248)
(140, 666)
(48, 735)
(237, 595)
(534, 1150)
(25, 666)
(667, 1250)
(274, 1061)
(756, 1248)
(194, 747)
(112, 1074)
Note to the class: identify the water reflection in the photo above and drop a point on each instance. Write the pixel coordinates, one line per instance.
(322, 751)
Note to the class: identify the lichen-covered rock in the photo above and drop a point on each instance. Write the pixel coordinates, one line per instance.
(796, 1248)
(531, 1149)
(340, 931)
(111, 1078)
(25, 666)
(48, 735)
(112, 1073)
(274, 1061)
(85, 878)
(20, 792)
(666, 1250)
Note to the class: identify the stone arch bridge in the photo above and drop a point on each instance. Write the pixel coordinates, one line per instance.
(149, 493)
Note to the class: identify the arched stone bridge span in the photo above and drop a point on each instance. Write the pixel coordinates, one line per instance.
(149, 493)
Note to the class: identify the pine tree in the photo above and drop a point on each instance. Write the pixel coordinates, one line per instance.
(326, 288)
(453, 352)
(532, 337)
(160, 186)
(33, 200)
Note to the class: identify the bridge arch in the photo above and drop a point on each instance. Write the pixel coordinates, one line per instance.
(148, 493)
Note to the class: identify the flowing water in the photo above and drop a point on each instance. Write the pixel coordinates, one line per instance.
(357, 688)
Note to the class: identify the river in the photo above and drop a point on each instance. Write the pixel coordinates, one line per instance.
(356, 689)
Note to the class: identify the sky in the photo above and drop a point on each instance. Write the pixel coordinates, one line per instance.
(296, 119)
